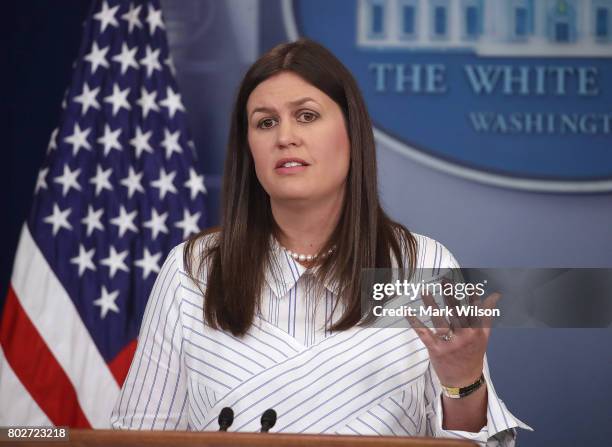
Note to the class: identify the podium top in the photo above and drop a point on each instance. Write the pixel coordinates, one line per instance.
(99, 438)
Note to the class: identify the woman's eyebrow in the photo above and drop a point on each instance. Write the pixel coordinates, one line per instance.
(300, 101)
(297, 102)
(263, 110)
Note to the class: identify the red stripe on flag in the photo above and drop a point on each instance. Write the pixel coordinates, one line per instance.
(37, 368)
(120, 365)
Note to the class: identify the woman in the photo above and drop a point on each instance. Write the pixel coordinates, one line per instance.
(263, 312)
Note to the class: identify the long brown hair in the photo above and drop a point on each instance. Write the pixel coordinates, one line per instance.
(364, 237)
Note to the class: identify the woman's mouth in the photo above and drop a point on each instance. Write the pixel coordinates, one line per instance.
(290, 166)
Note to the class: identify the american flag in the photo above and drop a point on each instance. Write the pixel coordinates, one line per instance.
(119, 188)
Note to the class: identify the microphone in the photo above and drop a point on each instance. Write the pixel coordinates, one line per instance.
(226, 418)
(268, 419)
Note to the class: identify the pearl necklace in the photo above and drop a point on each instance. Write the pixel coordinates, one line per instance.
(303, 258)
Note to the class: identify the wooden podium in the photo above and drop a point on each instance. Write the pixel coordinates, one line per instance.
(111, 438)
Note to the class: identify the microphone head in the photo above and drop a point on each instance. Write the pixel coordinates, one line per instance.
(226, 418)
(268, 419)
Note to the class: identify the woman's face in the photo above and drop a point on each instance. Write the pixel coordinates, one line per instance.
(298, 139)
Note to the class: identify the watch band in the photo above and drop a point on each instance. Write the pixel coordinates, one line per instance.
(458, 392)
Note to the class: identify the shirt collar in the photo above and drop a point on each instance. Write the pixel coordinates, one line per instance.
(283, 272)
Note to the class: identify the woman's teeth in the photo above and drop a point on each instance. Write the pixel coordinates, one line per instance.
(292, 164)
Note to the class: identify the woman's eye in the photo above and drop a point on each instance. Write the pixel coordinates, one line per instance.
(266, 123)
(307, 117)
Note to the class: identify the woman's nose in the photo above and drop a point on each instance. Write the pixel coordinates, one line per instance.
(287, 134)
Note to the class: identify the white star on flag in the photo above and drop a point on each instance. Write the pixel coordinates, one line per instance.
(78, 139)
(189, 224)
(106, 16)
(93, 220)
(87, 98)
(131, 17)
(118, 99)
(97, 57)
(141, 142)
(125, 221)
(127, 58)
(65, 100)
(59, 219)
(53, 140)
(157, 223)
(107, 302)
(170, 63)
(115, 261)
(68, 180)
(110, 139)
(133, 182)
(101, 179)
(149, 263)
(191, 144)
(84, 259)
(41, 182)
(195, 183)
(172, 102)
(154, 19)
(171, 143)
(164, 183)
(151, 61)
(147, 102)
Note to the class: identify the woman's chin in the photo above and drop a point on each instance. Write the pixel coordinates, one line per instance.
(289, 195)
(293, 197)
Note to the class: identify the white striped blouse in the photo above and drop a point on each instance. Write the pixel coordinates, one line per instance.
(359, 381)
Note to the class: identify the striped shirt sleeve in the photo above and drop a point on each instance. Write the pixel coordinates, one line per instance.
(500, 429)
(154, 395)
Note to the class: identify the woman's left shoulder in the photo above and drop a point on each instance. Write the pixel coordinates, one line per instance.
(433, 254)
